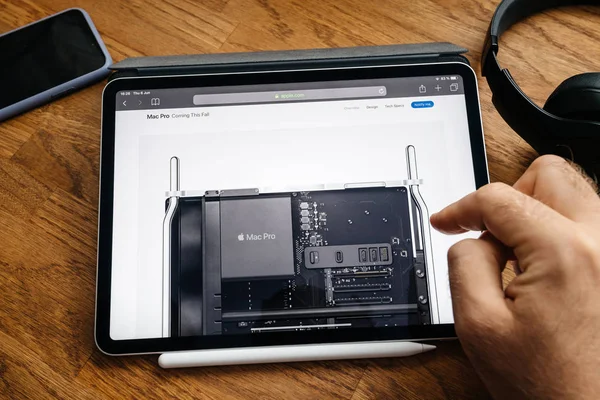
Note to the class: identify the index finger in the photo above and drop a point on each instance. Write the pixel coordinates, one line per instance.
(511, 216)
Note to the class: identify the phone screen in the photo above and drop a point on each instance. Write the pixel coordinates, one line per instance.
(46, 54)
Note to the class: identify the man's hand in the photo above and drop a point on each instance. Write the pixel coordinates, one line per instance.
(540, 336)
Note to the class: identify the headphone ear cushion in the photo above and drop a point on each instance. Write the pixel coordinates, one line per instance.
(577, 98)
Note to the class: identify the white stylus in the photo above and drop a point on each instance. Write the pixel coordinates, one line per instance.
(295, 353)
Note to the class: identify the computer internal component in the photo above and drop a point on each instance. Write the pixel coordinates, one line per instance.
(269, 261)
(351, 255)
(256, 238)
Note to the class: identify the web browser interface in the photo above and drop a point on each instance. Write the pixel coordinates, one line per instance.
(285, 207)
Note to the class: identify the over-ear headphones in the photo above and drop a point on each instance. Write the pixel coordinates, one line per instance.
(569, 123)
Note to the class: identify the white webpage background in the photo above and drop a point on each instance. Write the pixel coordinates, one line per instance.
(272, 145)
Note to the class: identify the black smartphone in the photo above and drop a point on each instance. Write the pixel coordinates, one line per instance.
(49, 58)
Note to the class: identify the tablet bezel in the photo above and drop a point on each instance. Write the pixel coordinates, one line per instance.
(105, 218)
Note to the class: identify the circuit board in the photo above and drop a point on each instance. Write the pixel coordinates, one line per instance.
(353, 267)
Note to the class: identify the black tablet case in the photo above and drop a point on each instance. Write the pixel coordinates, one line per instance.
(289, 59)
(187, 269)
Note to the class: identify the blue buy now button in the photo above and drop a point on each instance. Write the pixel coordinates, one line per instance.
(422, 104)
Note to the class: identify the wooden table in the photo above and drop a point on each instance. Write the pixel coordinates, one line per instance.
(49, 165)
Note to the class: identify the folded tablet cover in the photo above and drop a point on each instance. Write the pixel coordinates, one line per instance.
(289, 59)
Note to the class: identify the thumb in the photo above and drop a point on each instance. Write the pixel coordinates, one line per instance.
(475, 270)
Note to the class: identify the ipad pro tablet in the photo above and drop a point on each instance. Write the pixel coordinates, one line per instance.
(281, 208)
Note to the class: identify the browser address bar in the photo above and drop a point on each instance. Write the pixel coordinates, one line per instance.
(289, 95)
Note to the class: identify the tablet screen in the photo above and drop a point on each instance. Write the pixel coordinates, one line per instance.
(285, 207)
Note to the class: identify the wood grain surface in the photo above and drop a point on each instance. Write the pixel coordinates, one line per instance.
(49, 165)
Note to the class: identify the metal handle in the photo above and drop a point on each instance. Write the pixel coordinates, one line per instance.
(167, 223)
(422, 240)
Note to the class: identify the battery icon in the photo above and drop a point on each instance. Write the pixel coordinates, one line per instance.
(453, 78)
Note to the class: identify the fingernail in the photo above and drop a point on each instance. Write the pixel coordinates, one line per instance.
(432, 219)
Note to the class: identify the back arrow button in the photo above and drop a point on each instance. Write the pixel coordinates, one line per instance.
(125, 103)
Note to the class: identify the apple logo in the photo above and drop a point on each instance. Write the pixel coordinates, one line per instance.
(241, 237)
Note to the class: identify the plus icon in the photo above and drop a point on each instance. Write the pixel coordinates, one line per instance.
(438, 88)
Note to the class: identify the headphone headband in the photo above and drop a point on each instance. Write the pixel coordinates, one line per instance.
(545, 132)
(509, 12)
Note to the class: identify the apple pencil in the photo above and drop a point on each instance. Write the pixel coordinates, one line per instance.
(293, 353)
